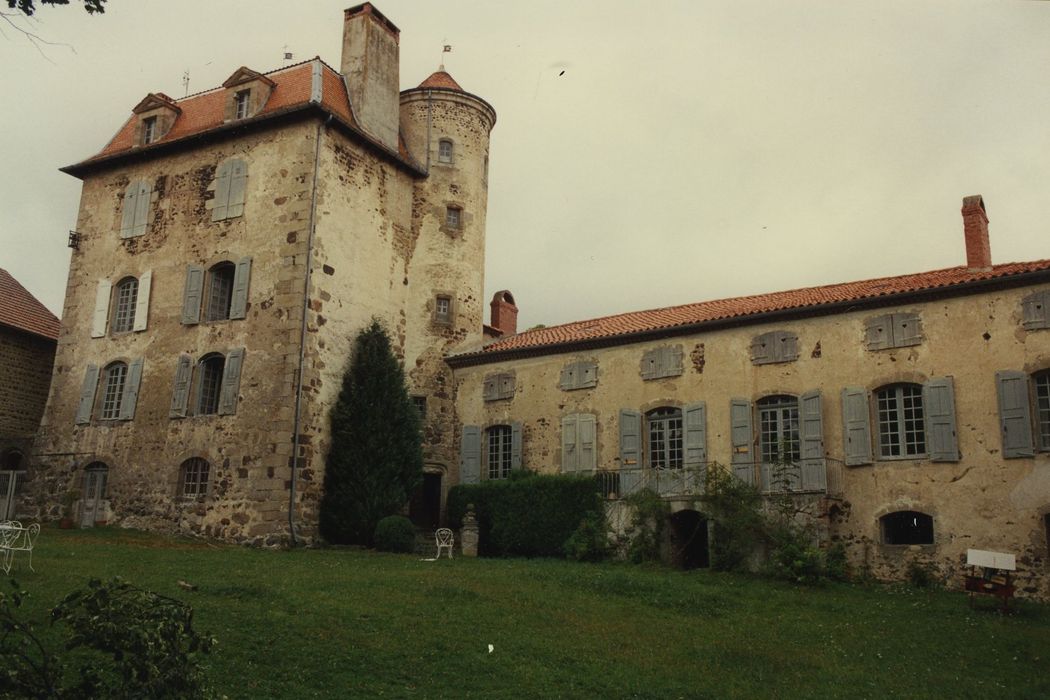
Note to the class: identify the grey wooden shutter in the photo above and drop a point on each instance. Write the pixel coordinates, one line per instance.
(192, 293)
(506, 386)
(181, 394)
(221, 200)
(673, 367)
(489, 388)
(142, 202)
(1015, 414)
(856, 426)
(811, 434)
(587, 454)
(127, 219)
(100, 316)
(239, 297)
(587, 374)
(569, 455)
(131, 390)
(648, 366)
(238, 184)
(142, 302)
(1036, 310)
(515, 445)
(938, 401)
(878, 332)
(567, 380)
(470, 455)
(630, 438)
(907, 330)
(87, 395)
(761, 352)
(695, 422)
(742, 438)
(231, 382)
(786, 349)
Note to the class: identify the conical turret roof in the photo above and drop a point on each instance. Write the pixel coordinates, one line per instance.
(441, 79)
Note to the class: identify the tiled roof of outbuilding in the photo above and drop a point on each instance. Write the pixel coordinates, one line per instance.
(809, 298)
(20, 309)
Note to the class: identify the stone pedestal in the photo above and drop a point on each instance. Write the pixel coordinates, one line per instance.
(468, 534)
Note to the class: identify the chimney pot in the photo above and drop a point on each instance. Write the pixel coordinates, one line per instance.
(975, 230)
(504, 313)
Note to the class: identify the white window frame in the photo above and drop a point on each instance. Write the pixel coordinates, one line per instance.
(124, 305)
(445, 155)
(894, 426)
(498, 451)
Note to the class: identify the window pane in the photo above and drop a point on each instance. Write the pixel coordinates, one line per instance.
(220, 292)
(499, 451)
(1042, 399)
(778, 429)
(195, 478)
(665, 438)
(242, 103)
(210, 385)
(124, 305)
(114, 390)
(452, 217)
(902, 427)
(445, 151)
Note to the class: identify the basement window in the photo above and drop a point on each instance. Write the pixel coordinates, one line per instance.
(906, 527)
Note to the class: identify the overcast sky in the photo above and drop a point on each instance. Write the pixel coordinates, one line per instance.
(689, 151)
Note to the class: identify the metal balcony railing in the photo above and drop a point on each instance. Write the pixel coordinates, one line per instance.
(664, 482)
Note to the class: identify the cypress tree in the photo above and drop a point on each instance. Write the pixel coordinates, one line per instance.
(375, 459)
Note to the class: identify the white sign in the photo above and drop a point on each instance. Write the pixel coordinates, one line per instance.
(990, 560)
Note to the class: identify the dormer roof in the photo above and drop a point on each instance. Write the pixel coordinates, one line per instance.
(246, 75)
(155, 100)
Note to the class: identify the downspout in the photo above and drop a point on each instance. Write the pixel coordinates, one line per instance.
(302, 333)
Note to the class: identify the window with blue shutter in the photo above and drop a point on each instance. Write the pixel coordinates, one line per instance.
(570, 456)
(239, 294)
(695, 426)
(811, 435)
(579, 374)
(742, 439)
(773, 347)
(470, 455)
(231, 382)
(1015, 417)
(896, 330)
(181, 393)
(87, 395)
(135, 216)
(938, 398)
(131, 390)
(630, 438)
(857, 426)
(231, 181)
(191, 296)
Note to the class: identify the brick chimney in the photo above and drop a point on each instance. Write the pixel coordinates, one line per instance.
(504, 313)
(975, 228)
(370, 66)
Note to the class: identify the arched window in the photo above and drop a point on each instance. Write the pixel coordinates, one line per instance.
(115, 374)
(664, 438)
(902, 426)
(498, 454)
(209, 383)
(778, 429)
(193, 478)
(124, 300)
(444, 151)
(906, 527)
(220, 291)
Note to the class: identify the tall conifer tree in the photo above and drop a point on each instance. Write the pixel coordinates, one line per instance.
(375, 460)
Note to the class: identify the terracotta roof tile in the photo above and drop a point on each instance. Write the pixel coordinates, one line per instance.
(441, 79)
(203, 111)
(20, 309)
(742, 307)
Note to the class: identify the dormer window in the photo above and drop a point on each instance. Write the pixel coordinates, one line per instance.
(241, 101)
(149, 130)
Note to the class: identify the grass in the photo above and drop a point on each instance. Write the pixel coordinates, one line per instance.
(347, 623)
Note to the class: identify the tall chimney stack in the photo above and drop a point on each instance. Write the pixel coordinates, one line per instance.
(504, 313)
(975, 229)
(370, 66)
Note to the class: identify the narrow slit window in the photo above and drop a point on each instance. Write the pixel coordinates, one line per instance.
(1042, 404)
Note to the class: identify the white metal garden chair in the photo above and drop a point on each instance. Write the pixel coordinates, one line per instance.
(16, 538)
(444, 539)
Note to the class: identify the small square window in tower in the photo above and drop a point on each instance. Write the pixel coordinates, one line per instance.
(241, 101)
(444, 151)
(452, 217)
(443, 309)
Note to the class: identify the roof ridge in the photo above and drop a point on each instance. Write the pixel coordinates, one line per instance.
(268, 72)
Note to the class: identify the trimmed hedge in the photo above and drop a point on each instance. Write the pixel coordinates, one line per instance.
(395, 533)
(530, 515)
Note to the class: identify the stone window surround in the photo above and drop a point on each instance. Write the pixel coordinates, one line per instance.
(435, 317)
(203, 485)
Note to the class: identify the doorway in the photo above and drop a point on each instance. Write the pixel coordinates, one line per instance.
(91, 507)
(425, 507)
(689, 548)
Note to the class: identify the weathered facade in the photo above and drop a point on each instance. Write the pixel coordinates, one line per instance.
(914, 411)
(232, 243)
(27, 351)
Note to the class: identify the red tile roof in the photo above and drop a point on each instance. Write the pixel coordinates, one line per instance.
(204, 111)
(20, 309)
(441, 79)
(655, 320)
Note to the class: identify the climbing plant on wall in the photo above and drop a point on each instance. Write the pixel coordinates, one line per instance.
(375, 460)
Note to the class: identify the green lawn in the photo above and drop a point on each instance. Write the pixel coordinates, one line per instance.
(345, 623)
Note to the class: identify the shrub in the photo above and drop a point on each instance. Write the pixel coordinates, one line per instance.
(793, 556)
(920, 575)
(646, 529)
(395, 533)
(528, 514)
(740, 526)
(590, 542)
(836, 566)
(127, 642)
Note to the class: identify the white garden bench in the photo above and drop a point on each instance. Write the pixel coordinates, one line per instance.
(16, 538)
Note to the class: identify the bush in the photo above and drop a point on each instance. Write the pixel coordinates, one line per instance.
(793, 556)
(127, 643)
(836, 566)
(590, 542)
(646, 529)
(395, 533)
(736, 509)
(920, 575)
(527, 514)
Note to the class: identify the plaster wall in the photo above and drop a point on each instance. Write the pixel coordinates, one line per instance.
(982, 501)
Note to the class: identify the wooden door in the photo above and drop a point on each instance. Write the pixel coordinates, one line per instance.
(94, 492)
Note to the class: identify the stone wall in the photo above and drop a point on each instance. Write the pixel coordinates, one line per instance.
(25, 375)
(981, 501)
